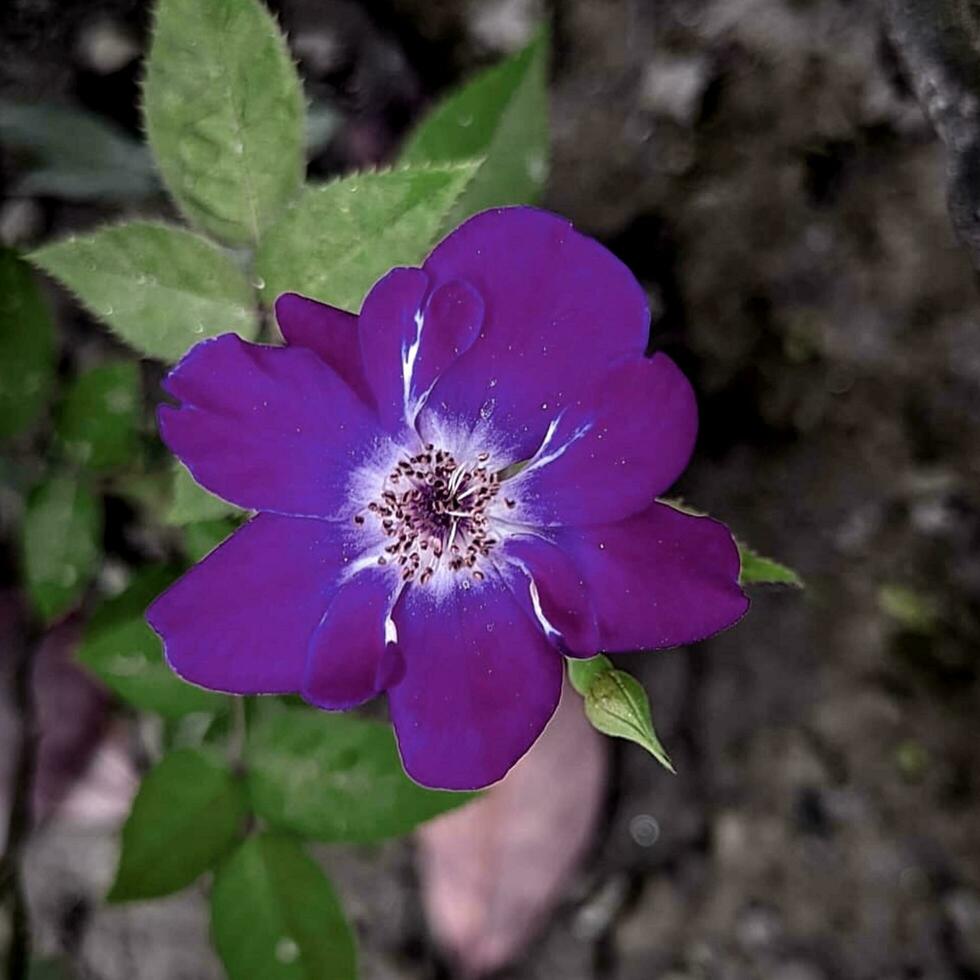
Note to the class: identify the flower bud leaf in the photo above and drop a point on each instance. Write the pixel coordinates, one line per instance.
(501, 116)
(335, 777)
(758, 570)
(376, 220)
(27, 347)
(617, 705)
(581, 673)
(160, 288)
(60, 544)
(275, 916)
(224, 114)
(187, 815)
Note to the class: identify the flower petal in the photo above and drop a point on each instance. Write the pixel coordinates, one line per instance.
(349, 660)
(659, 579)
(241, 620)
(409, 337)
(328, 332)
(481, 681)
(555, 594)
(612, 455)
(268, 428)
(559, 308)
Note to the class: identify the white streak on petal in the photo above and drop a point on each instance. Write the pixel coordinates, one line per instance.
(391, 630)
(542, 457)
(409, 357)
(546, 625)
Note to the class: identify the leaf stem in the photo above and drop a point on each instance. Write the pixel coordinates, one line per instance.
(12, 890)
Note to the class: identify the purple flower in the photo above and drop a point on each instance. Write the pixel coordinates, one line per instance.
(453, 489)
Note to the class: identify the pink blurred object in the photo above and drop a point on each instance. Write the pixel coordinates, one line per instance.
(72, 716)
(492, 871)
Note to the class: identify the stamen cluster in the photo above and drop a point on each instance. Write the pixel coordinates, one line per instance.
(435, 510)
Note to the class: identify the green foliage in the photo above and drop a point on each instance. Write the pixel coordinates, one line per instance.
(190, 502)
(61, 540)
(914, 611)
(616, 704)
(202, 538)
(335, 778)
(159, 288)
(224, 114)
(274, 916)
(581, 673)
(501, 117)
(99, 418)
(335, 241)
(76, 155)
(27, 347)
(757, 570)
(186, 817)
(127, 656)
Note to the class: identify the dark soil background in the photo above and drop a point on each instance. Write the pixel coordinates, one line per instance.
(766, 170)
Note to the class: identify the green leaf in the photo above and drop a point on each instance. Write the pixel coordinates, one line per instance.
(224, 114)
(186, 817)
(581, 673)
(77, 155)
(915, 611)
(501, 116)
(61, 544)
(336, 240)
(121, 649)
(336, 778)
(275, 916)
(757, 570)
(617, 705)
(202, 538)
(159, 288)
(97, 423)
(27, 347)
(191, 502)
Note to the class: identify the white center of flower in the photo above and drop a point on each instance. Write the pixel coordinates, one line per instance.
(435, 513)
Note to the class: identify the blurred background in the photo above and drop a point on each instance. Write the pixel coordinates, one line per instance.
(767, 171)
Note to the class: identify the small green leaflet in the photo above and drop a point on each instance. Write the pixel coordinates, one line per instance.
(500, 117)
(376, 221)
(190, 502)
(27, 347)
(98, 420)
(616, 704)
(187, 815)
(160, 288)
(275, 916)
(224, 114)
(757, 570)
(581, 673)
(335, 777)
(76, 155)
(127, 656)
(60, 544)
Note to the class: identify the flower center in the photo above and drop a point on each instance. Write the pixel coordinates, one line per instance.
(435, 510)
